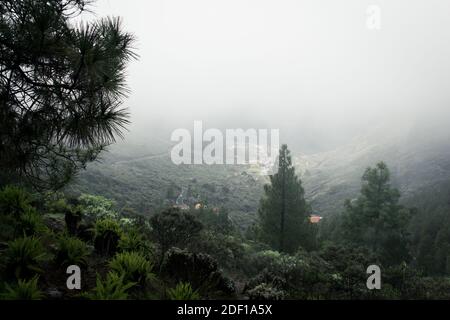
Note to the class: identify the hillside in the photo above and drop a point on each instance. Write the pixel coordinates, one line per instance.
(139, 177)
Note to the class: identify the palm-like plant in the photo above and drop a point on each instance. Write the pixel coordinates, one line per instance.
(24, 257)
(133, 265)
(183, 291)
(14, 201)
(133, 241)
(72, 250)
(24, 290)
(107, 235)
(30, 223)
(113, 287)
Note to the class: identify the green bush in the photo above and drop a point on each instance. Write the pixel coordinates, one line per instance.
(24, 257)
(183, 291)
(133, 241)
(72, 217)
(113, 287)
(200, 270)
(14, 200)
(133, 265)
(265, 292)
(226, 249)
(97, 207)
(30, 223)
(71, 250)
(107, 235)
(24, 290)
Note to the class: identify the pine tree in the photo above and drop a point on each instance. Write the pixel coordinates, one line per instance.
(375, 219)
(61, 84)
(283, 208)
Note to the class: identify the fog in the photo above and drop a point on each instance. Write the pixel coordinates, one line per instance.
(311, 68)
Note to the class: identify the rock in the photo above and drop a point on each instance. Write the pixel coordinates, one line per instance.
(54, 293)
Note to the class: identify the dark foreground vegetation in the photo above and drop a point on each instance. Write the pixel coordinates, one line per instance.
(198, 253)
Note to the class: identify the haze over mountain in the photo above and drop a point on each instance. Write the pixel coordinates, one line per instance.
(139, 175)
(309, 68)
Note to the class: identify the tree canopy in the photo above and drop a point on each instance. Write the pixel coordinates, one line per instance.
(283, 208)
(61, 89)
(376, 219)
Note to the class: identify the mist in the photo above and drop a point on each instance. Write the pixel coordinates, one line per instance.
(309, 68)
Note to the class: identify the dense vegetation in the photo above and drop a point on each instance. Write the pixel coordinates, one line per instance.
(198, 253)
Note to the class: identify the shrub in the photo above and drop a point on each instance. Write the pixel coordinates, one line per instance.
(14, 200)
(183, 291)
(199, 269)
(97, 207)
(226, 249)
(266, 277)
(24, 257)
(133, 266)
(55, 203)
(30, 223)
(72, 217)
(107, 235)
(24, 290)
(113, 287)
(174, 228)
(71, 250)
(265, 292)
(133, 241)
(303, 276)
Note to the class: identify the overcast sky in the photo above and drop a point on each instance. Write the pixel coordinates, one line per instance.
(309, 67)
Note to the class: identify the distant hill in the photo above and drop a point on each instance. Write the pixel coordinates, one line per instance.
(139, 177)
(417, 159)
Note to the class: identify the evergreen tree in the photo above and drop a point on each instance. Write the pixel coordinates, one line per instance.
(375, 219)
(283, 208)
(60, 89)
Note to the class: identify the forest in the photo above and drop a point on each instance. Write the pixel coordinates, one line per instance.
(61, 94)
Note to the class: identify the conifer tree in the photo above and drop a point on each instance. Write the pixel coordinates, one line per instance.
(375, 219)
(283, 209)
(61, 88)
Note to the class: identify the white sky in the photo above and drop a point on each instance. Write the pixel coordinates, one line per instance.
(308, 67)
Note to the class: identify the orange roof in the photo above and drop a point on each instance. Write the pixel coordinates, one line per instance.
(314, 218)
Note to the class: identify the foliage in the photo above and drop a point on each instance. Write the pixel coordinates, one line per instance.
(23, 290)
(198, 269)
(376, 220)
(183, 291)
(430, 229)
(14, 201)
(24, 257)
(174, 227)
(283, 208)
(264, 291)
(30, 223)
(107, 235)
(97, 207)
(18, 216)
(58, 115)
(301, 276)
(217, 221)
(133, 266)
(113, 287)
(71, 250)
(228, 250)
(133, 240)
